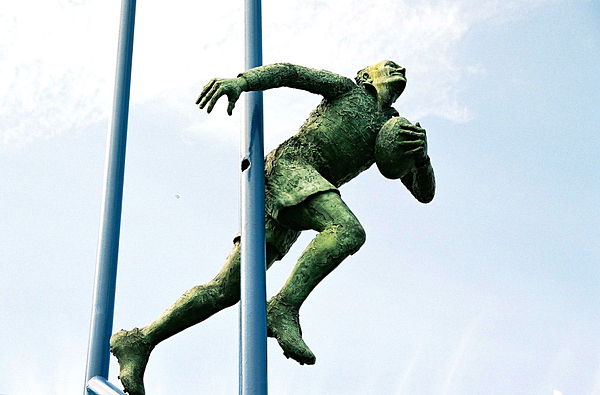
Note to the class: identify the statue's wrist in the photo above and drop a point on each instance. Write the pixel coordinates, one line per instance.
(252, 80)
(243, 83)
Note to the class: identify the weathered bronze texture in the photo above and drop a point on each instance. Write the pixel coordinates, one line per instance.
(338, 141)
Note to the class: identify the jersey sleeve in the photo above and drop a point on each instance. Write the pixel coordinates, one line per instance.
(321, 82)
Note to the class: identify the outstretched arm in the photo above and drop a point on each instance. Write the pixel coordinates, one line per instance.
(278, 75)
(321, 82)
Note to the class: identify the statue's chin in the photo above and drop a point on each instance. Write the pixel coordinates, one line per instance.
(395, 78)
(398, 85)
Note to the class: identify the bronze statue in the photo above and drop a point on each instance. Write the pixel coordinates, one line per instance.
(338, 141)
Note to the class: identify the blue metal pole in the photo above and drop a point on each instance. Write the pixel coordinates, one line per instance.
(100, 386)
(110, 223)
(253, 314)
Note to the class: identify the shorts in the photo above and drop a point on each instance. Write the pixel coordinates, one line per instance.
(277, 236)
(289, 183)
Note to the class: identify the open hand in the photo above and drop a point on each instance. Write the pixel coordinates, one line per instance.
(218, 87)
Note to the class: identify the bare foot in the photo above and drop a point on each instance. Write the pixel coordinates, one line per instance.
(132, 351)
(283, 323)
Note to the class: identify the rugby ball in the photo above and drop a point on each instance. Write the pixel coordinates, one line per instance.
(389, 154)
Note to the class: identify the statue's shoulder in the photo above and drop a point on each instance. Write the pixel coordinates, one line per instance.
(355, 95)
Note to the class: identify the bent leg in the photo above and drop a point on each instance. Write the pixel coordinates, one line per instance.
(340, 235)
(133, 348)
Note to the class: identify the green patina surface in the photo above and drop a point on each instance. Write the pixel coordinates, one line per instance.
(337, 142)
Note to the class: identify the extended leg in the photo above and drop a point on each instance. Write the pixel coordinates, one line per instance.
(340, 235)
(133, 348)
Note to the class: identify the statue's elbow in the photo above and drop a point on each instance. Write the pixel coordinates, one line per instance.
(425, 196)
(425, 199)
(423, 188)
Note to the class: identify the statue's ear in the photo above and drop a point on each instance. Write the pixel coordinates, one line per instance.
(364, 79)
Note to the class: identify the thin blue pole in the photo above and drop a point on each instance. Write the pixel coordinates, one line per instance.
(100, 386)
(253, 313)
(110, 223)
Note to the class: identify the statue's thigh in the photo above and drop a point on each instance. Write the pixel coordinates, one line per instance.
(319, 212)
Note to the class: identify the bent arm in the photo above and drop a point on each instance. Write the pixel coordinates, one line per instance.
(420, 181)
(277, 75)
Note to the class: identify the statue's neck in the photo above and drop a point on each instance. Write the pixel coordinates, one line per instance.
(384, 97)
(381, 95)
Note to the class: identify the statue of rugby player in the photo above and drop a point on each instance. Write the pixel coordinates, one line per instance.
(302, 176)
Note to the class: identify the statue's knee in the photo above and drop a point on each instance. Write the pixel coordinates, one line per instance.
(352, 237)
(359, 236)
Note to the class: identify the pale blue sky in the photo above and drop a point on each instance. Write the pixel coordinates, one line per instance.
(493, 288)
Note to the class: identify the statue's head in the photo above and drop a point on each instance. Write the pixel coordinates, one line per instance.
(386, 78)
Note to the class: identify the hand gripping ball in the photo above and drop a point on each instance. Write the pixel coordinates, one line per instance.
(390, 156)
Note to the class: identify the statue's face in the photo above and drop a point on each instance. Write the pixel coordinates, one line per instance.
(388, 78)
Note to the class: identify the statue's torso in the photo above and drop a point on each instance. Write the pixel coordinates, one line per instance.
(338, 138)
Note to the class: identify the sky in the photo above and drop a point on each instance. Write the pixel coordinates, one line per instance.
(492, 288)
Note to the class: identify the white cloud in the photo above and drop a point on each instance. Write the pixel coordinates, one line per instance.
(56, 64)
(53, 67)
